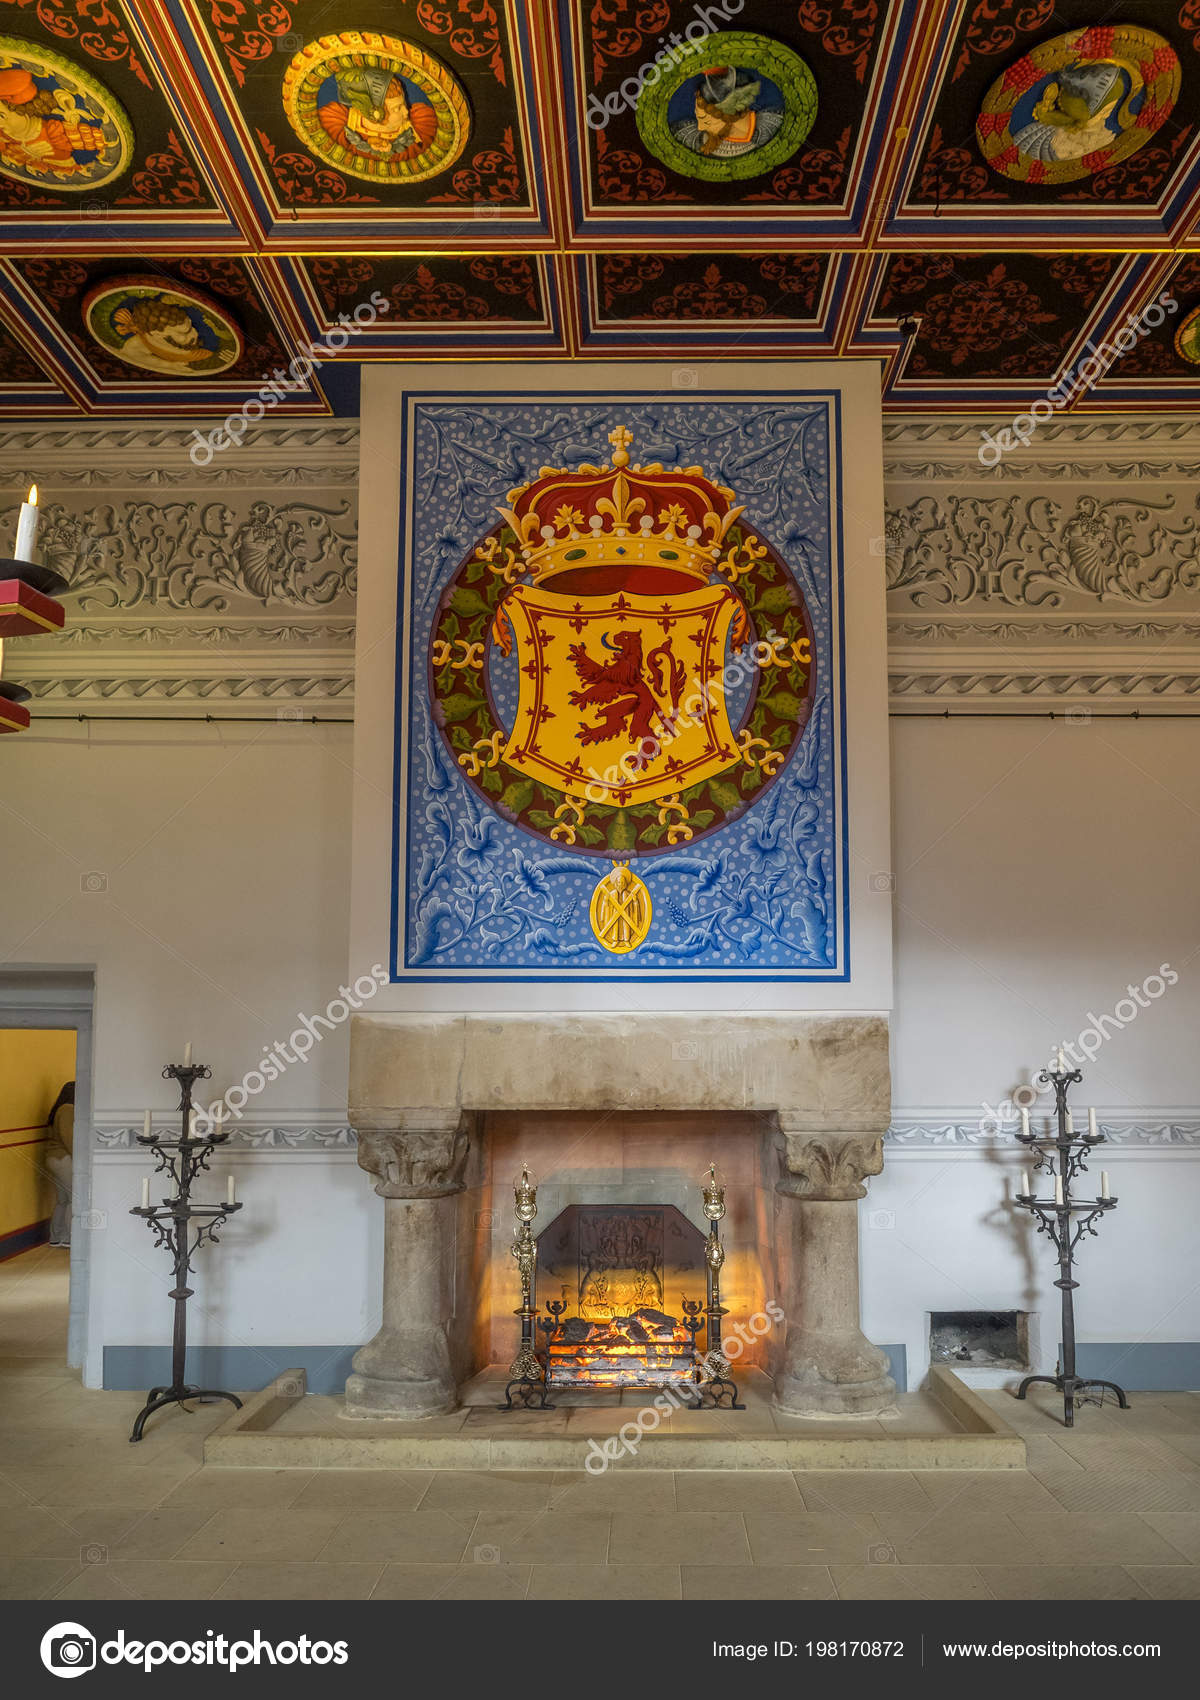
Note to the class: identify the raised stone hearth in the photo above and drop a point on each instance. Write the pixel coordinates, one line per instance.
(798, 1102)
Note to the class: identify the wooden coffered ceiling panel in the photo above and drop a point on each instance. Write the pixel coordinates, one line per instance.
(979, 194)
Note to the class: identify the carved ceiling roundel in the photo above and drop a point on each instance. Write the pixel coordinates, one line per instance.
(162, 326)
(1079, 103)
(60, 127)
(376, 106)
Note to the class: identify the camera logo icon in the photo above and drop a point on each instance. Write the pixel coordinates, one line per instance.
(68, 1649)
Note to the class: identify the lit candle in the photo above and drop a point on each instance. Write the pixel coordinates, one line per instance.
(187, 1054)
(1092, 1128)
(1024, 1122)
(27, 525)
(1026, 1188)
(1058, 1191)
(146, 1124)
(145, 1192)
(1104, 1192)
(230, 1190)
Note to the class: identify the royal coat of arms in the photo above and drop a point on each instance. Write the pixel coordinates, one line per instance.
(621, 667)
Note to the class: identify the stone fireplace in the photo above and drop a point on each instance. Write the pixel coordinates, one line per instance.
(615, 1112)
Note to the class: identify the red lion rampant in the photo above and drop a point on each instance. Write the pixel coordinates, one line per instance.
(622, 689)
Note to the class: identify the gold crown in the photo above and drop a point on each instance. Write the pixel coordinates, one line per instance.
(621, 516)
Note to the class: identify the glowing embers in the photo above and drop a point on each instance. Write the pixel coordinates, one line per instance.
(632, 1279)
(646, 1349)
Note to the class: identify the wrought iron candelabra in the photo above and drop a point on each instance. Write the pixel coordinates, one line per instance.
(183, 1227)
(1065, 1219)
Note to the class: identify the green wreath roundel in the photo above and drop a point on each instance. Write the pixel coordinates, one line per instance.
(730, 105)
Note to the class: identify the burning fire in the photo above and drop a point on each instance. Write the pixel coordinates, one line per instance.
(647, 1347)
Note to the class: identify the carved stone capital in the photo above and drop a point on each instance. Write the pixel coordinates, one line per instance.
(415, 1158)
(828, 1166)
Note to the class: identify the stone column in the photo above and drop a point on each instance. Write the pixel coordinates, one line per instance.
(830, 1367)
(417, 1159)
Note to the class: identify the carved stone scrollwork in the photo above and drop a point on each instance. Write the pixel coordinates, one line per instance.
(415, 1161)
(829, 1165)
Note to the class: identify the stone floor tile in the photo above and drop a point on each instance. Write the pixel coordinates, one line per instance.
(408, 1537)
(548, 1537)
(294, 1580)
(616, 1490)
(376, 1490)
(604, 1582)
(246, 1532)
(975, 1493)
(948, 1537)
(736, 1490)
(33, 1578)
(757, 1582)
(488, 1490)
(1167, 1581)
(1180, 1528)
(682, 1537)
(145, 1579)
(1120, 1537)
(909, 1582)
(805, 1538)
(1101, 1491)
(218, 1488)
(1060, 1582)
(848, 1492)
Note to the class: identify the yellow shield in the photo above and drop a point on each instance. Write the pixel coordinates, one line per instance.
(622, 697)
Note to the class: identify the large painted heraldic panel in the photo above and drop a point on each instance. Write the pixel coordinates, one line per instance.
(621, 683)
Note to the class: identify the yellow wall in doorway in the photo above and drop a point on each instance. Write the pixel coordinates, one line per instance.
(34, 1064)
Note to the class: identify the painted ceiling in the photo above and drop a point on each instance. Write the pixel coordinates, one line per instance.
(209, 203)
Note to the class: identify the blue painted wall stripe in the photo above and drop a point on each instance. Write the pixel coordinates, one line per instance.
(238, 1369)
(1151, 1366)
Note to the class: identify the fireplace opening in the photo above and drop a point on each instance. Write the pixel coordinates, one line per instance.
(626, 1285)
(984, 1339)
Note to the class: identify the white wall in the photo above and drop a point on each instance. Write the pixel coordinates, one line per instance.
(225, 853)
(1041, 868)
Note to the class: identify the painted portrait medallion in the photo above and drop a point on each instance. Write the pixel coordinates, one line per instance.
(376, 106)
(621, 668)
(1187, 338)
(162, 326)
(1078, 104)
(731, 105)
(60, 128)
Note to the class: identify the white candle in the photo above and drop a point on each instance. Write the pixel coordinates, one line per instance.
(218, 1116)
(230, 1190)
(1061, 1063)
(27, 525)
(1058, 1191)
(1104, 1192)
(1026, 1188)
(146, 1124)
(187, 1054)
(1024, 1122)
(1092, 1128)
(1070, 1125)
(191, 1124)
(145, 1192)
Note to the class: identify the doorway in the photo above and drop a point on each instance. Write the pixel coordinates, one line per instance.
(37, 1136)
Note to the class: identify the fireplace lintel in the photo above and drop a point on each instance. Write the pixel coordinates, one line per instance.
(824, 1073)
